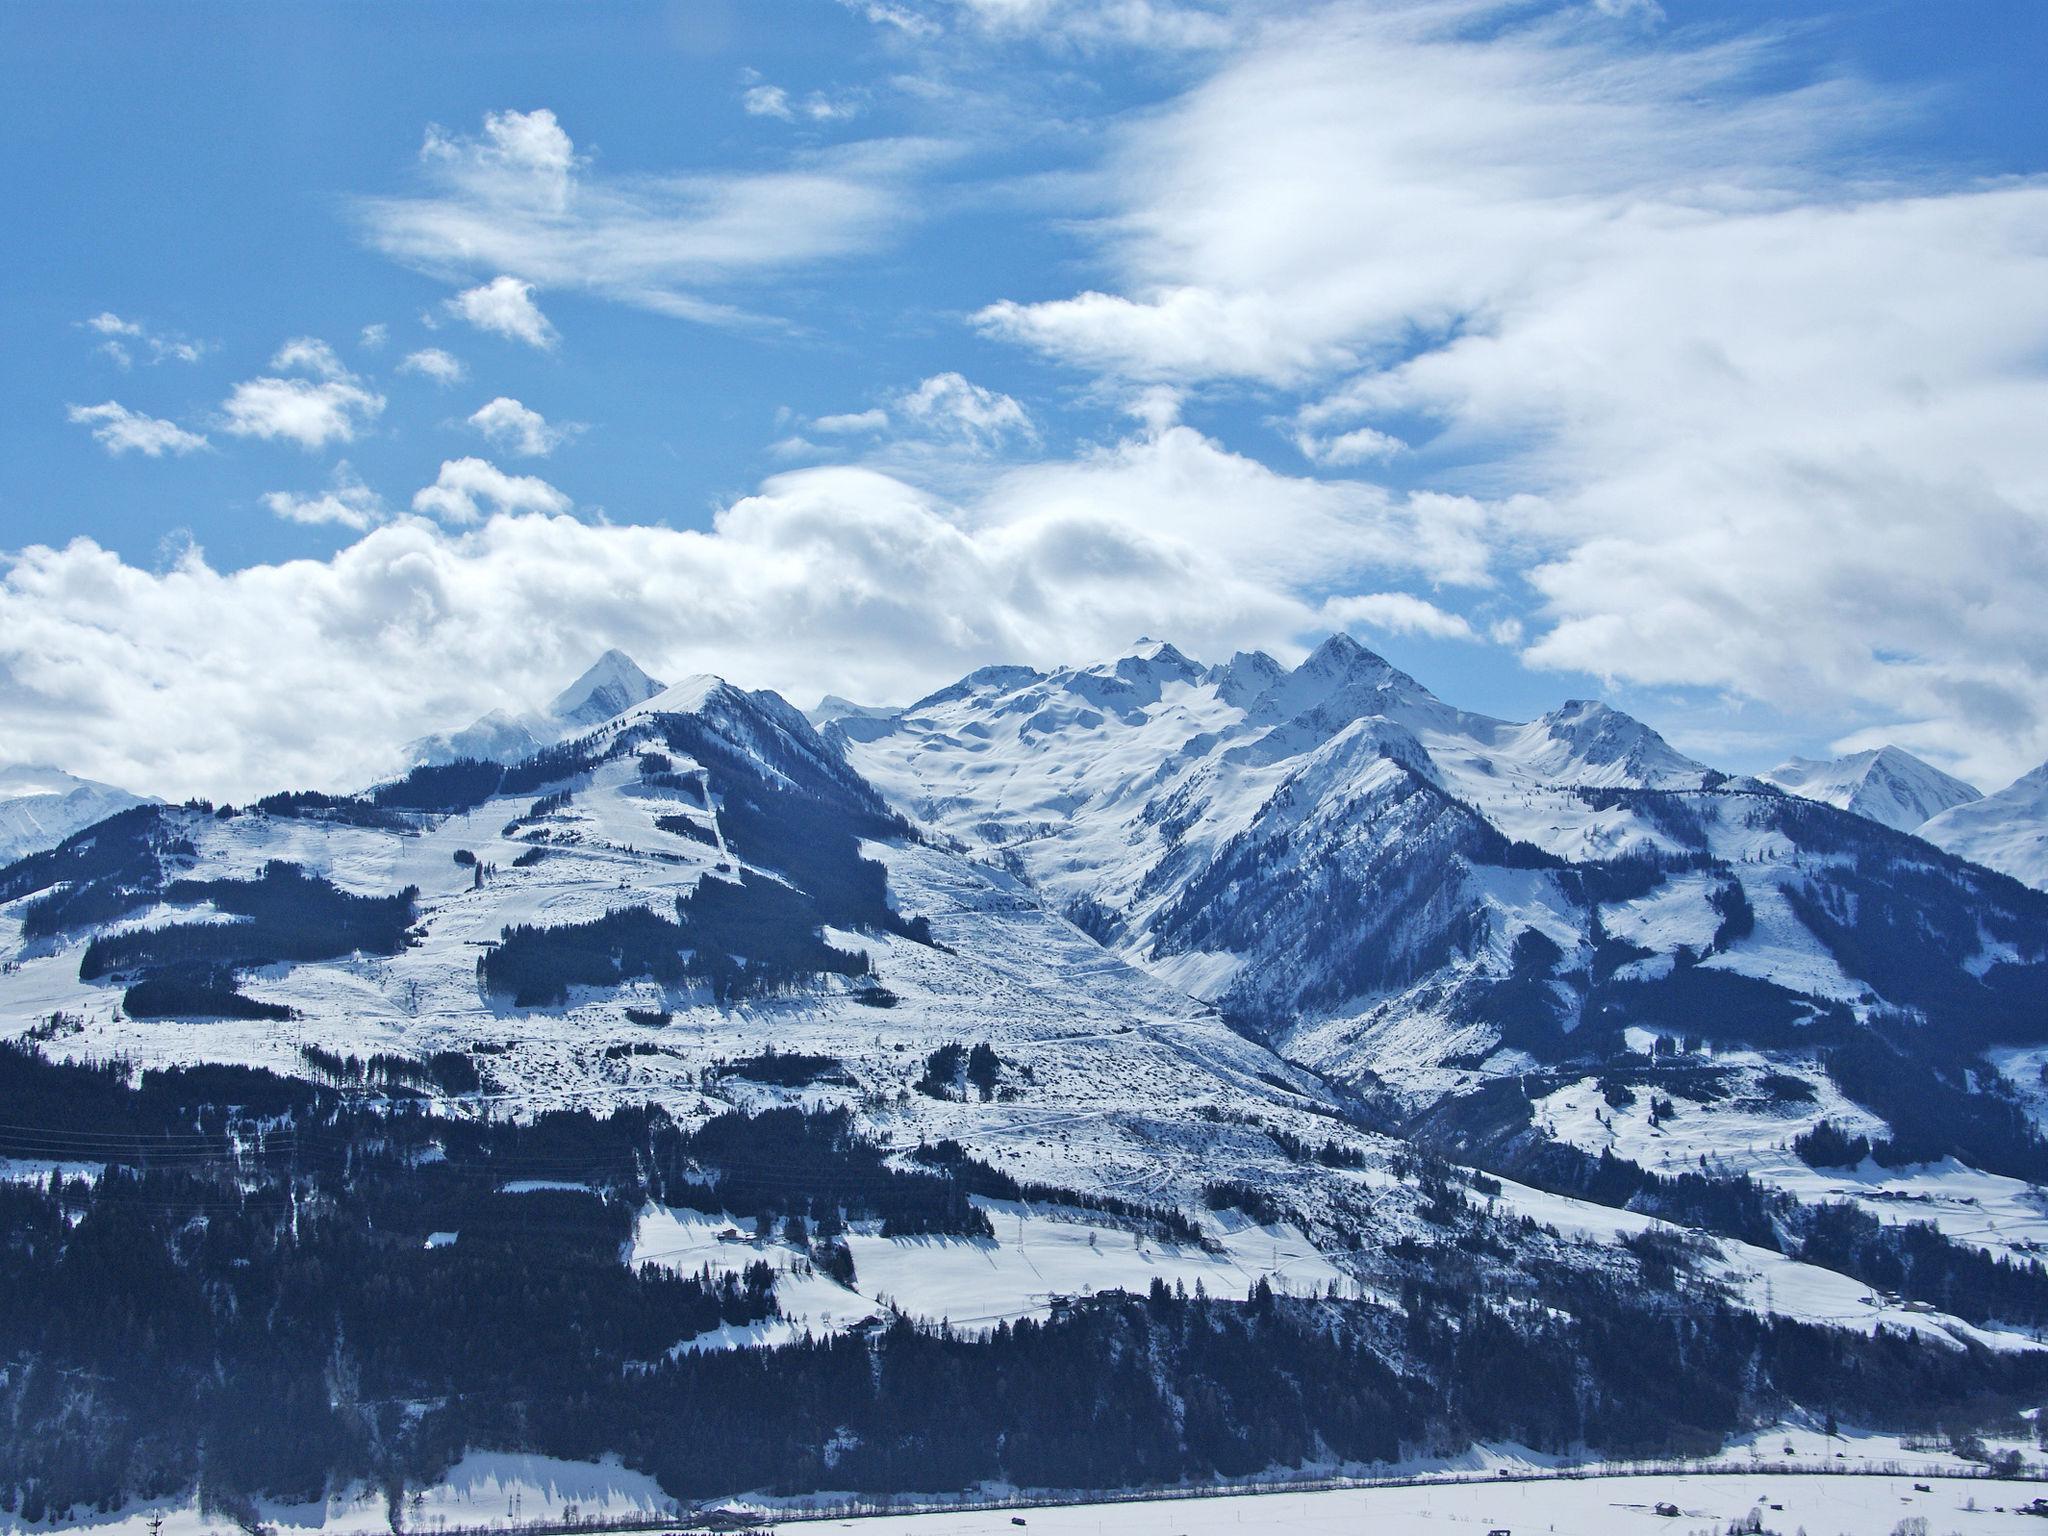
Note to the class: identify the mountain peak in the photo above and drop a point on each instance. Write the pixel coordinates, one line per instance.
(40, 806)
(1884, 784)
(611, 685)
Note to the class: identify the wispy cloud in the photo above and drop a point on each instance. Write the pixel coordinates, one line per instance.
(346, 503)
(433, 363)
(1396, 613)
(120, 430)
(124, 337)
(519, 202)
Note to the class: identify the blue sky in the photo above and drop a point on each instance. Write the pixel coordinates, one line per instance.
(391, 362)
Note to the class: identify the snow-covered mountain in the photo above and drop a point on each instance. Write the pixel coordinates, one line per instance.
(41, 806)
(613, 684)
(2006, 831)
(1279, 841)
(695, 879)
(1421, 902)
(1884, 784)
(1143, 979)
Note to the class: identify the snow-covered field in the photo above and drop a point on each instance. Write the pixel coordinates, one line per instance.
(1760, 1279)
(1820, 1506)
(1039, 1257)
(485, 1488)
(1866, 1495)
(1752, 1135)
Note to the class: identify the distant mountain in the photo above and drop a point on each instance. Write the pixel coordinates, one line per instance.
(1420, 901)
(40, 807)
(613, 684)
(1884, 784)
(2007, 831)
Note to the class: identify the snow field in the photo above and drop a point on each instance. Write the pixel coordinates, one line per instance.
(1040, 1255)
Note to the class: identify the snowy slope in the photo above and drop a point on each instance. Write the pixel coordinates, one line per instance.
(1116, 1084)
(1884, 784)
(41, 806)
(2006, 831)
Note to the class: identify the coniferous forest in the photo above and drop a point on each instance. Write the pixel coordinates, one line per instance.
(261, 1251)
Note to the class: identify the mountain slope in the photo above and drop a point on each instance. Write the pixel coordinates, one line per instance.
(40, 807)
(2006, 831)
(1422, 902)
(1884, 784)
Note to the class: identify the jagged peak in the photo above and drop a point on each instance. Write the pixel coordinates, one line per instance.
(611, 685)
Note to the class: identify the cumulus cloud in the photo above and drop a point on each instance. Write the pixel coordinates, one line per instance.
(957, 407)
(309, 354)
(1396, 613)
(1777, 413)
(300, 410)
(518, 429)
(834, 579)
(463, 484)
(504, 306)
(520, 199)
(331, 406)
(433, 363)
(346, 503)
(120, 430)
(375, 335)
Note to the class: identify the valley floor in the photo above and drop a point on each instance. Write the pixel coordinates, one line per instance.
(1855, 1505)
(1796, 1478)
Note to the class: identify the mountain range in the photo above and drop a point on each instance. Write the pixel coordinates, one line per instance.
(1234, 977)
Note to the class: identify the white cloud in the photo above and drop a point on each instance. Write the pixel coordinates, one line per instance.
(1777, 404)
(852, 421)
(520, 430)
(763, 100)
(950, 404)
(1396, 613)
(347, 503)
(520, 200)
(330, 406)
(767, 101)
(300, 410)
(309, 354)
(120, 430)
(433, 363)
(1361, 445)
(375, 335)
(504, 306)
(312, 672)
(1083, 25)
(462, 483)
(123, 335)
